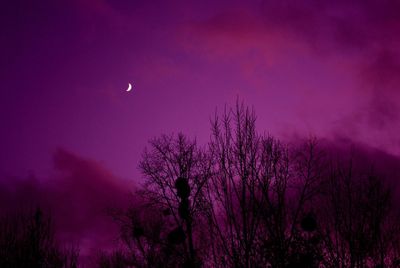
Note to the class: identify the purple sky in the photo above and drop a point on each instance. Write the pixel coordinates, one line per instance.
(327, 68)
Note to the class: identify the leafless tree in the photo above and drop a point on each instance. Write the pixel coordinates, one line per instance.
(258, 192)
(146, 238)
(175, 173)
(116, 259)
(249, 200)
(233, 190)
(358, 226)
(27, 240)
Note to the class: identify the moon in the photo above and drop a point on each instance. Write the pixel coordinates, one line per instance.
(129, 87)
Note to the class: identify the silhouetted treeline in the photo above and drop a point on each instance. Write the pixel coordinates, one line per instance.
(248, 200)
(27, 241)
(245, 199)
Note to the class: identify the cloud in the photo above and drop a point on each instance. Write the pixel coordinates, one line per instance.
(364, 157)
(364, 160)
(355, 41)
(346, 24)
(365, 30)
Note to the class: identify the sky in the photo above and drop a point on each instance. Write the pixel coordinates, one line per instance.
(324, 68)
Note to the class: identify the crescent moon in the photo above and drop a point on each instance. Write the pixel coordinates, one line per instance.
(129, 87)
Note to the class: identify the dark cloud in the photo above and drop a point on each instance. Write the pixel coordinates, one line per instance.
(364, 157)
(365, 33)
(384, 69)
(350, 24)
(367, 30)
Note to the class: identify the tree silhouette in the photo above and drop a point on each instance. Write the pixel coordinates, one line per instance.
(246, 199)
(233, 190)
(258, 191)
(116, 259)
(27, 240)
(166, 230)
(249, 200)
(358, 219)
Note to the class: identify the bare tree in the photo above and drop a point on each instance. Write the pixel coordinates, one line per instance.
(358, 222)
(239, 189)
(258, 192)
(27, 240)
(115, 259)
(175, 173)
(249, 200)
(147, 241)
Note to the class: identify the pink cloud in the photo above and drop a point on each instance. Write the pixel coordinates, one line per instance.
(334, 64)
